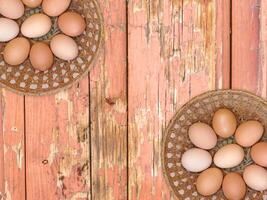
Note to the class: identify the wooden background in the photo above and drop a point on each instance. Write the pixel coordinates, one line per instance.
(101, 140)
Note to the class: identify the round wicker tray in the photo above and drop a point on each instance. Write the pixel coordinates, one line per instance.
(201, 108)
(25, 80)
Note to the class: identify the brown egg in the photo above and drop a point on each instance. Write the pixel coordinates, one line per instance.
(255, 177)
(248, 133)
(16, 51)
(234, 187)
(209, 181)
(202, 135)
(41, 56)
(224, 123)
(32, 3)
(259, 153)
(55, 8)
(72, 24)
(12, 9)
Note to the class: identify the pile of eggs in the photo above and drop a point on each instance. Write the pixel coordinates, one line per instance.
(247, 137)
(41, 54)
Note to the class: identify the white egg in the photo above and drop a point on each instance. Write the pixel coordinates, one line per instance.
(64, 47)
(36, 26)
(229, 156)
(255, 177)
(196, 160)
(9, 29)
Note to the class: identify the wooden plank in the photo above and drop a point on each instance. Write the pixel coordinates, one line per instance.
(108, 108)
(223, 44)
(12, 159)
(246, 69)
(172, 57)
(57, 145)
(263, 50)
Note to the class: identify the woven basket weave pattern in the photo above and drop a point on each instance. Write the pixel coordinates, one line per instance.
(176, 141)
(24, 79)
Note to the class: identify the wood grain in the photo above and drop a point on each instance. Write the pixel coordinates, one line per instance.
(108, 108)
(57, 145)
(12, 161)
(223, 44)
(172, 57)
(263, 50)
(246, 69)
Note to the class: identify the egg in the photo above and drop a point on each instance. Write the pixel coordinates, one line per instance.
(9, 29)
(229, 156)
(202, 135)
(259, 153)
(196, 160)
(41, 56)
(32, 3)
(64, 47)
(248, 133)
(234, 187)
(16, 51)
(36, 26)
(71, 23)
(224, 123)
(55, 8)
(255, 177)
(12, 9)
(209, 181)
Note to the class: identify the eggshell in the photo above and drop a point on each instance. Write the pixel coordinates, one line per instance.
(259, 153)
(229, 156)
(55, 8)
(248, 133)
(224, 123)
(209, 181)
(41, 56)
(36, 26)
(12, 9)
(9, 29)
(16, 51)
(64, 47)
(71, 23)
(32, 3)
(234, 187)
(202, 135)
(196, 160)
(255, 177)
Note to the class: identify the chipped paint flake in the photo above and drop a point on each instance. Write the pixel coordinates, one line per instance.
(7, 192)
(80, 195)
(61, 96)
(53, 153)
(19, 154)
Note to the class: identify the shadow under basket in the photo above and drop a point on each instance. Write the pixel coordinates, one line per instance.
(28, 81)
(245, 106)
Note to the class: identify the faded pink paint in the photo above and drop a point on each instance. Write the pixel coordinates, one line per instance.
(245, 42)
(108, 108)
(12, 148)
(57, 144)
(168, 64)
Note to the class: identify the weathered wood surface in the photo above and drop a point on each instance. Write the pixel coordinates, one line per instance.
(57, 145)
(249, 67)
(12, 159)
(172, 57)
(108, 108)
(101, 139)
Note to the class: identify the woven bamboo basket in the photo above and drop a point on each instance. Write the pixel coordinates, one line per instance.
(25, 80)
(245, 106)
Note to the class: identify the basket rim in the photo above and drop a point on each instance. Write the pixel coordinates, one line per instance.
(86, 72)
(173, 119)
